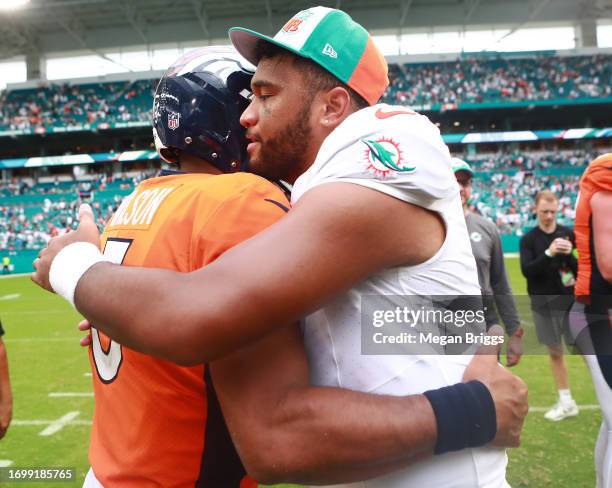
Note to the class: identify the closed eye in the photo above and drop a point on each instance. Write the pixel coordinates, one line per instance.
(262, 89)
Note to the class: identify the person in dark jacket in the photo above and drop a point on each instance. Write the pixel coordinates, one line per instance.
(550, 268)
(492, 276)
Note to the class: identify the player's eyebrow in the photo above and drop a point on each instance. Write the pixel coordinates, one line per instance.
(261, 84)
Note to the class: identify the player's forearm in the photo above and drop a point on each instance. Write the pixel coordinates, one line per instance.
(154, 311)
(137, 307)
(327, 435)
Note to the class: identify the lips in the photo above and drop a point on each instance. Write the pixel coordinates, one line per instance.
(251, 146)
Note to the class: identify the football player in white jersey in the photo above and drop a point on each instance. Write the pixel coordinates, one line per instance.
(376, 211)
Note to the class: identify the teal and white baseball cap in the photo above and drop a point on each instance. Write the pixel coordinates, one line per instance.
(333, 40)
(461, 165)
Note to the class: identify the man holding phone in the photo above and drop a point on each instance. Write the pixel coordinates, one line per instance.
(550, 268)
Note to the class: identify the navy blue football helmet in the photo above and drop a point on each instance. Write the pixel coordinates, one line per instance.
(197, 108)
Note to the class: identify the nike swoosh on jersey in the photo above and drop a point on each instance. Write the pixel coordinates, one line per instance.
(380, 114)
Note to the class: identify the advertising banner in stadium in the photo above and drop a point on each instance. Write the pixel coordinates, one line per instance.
(471, 138)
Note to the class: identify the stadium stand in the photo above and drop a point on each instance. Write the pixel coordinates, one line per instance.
(508, 199)
(498, 80)
(62, 105)
(30, 214)
(468, 80)
(535, 160)
(506, 184)
(507, 178)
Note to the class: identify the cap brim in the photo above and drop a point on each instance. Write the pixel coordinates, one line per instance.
(245, 41)
(467, 170)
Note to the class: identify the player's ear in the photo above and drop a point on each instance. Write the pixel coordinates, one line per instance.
(336, 106)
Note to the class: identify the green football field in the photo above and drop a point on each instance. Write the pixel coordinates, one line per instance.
(53, 401)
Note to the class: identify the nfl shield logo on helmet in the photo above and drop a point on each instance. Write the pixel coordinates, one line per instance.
(173, 121)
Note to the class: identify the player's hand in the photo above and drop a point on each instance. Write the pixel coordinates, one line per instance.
(514, 350)
(84, 325)
(560, 246)
(6, 414)
(509, 392)
(87, 231)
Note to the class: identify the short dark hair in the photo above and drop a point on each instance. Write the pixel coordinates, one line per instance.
(315, 77)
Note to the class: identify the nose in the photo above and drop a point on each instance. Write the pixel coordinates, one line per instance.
(249, 116)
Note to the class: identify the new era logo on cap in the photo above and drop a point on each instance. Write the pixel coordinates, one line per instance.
(328, 50)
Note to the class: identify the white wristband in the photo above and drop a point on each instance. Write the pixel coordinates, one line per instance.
(70, 265)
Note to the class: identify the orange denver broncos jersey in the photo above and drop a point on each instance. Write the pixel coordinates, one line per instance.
(597, 177)
(156, 423)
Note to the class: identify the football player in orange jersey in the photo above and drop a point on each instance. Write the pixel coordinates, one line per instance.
(158, 423)
(349, 232)
(591, 315)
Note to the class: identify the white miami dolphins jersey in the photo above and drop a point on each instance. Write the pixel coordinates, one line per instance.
(396, 151)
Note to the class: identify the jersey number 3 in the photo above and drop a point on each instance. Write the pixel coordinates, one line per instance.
(109, 361)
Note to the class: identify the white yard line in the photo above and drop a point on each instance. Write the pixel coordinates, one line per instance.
(70, 394)
(5, 463)
(10, 296)
(27, 423)
(59, 424)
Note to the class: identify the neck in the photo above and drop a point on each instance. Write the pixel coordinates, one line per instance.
(300, 170)
(548, 228)
(199, 166)
(465, 210)
(310, 155)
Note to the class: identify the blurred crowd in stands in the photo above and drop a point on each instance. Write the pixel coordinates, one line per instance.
(63, 105)
(31, 214)
(467, 80)
(534, 160)
(507, 199)
(505, 185)
(498, 80)
(503, 189)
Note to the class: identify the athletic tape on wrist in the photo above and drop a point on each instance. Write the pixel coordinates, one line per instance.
(70, 265)
(465, 416)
